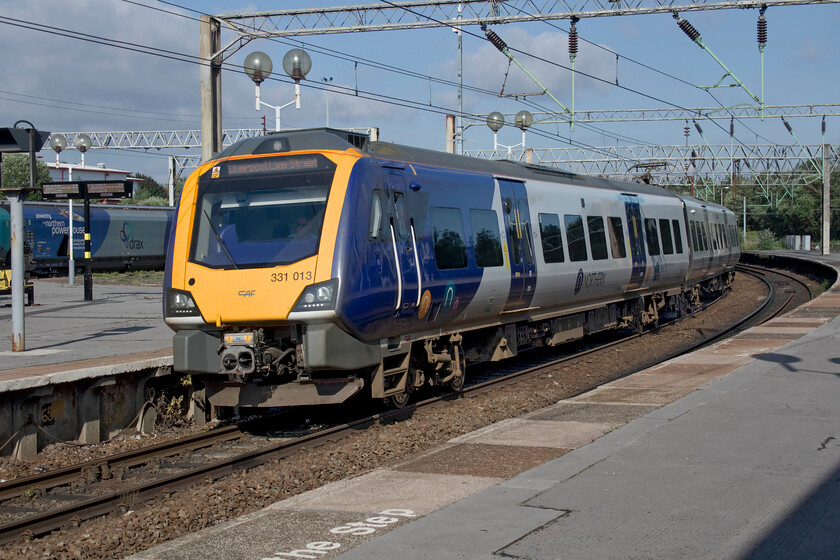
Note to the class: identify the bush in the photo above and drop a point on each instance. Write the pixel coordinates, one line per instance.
(766, 240)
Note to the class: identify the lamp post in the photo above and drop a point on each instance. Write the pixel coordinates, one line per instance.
(258, 66)
(495, 121)
(58, 142)
(83, 144)
(327, 82)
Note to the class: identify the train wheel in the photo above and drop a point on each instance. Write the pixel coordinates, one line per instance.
(399, 400)
(460, 363)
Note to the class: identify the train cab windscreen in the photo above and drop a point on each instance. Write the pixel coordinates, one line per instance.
(261, 212)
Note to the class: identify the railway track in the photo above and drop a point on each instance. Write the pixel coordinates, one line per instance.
(73, 494)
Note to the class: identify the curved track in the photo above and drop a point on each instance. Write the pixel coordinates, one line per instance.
(102, 485)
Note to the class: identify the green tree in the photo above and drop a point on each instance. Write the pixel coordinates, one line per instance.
(16, 173)
(150, 188)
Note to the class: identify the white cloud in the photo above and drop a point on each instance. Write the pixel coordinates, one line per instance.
(110, 86)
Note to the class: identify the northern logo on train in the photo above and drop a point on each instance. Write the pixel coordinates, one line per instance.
(449, 299)
(579, 281)
(425, 304)
(589, 280)
(656, 272)
(127, 237)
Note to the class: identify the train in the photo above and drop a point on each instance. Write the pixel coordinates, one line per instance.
(311, 266)
(122, 237)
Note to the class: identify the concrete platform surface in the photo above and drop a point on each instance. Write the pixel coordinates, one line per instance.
(747, 467)
(62, 327)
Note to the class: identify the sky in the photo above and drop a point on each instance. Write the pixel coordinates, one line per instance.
(55, 73)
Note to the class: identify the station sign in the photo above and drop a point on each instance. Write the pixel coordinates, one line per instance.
(62, 191)
(109, 189)
(66, 190)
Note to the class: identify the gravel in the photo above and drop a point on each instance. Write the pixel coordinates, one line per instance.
(139, 526)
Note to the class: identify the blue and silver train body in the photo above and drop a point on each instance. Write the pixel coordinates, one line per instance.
(307, 266)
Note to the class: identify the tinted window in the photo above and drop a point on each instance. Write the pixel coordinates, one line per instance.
(375, 223)
(248, 217)
(619, 249)
(448, 237)
(488, 245)
(667, 242)
(526, 231)
(511, 217)
(575, 236)
(652, 237)
(402, 215)
(597, 237)
(677, 236)
(552, 239)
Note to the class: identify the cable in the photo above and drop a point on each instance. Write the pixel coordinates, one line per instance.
(596, 45)
(76, 107)
(541, 59)
(374, 64)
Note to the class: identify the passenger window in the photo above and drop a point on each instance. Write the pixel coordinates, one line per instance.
(512, 221)
(552, 239)
(652, 236)
(488, 244)
(677, 236)
(402, 215)
(597, 237)
(526, 232)
(375, 223)
(576, 237)
(667, 242)
(619, 249)
(448, 238)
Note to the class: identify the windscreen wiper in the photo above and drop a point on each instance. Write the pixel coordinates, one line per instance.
(219, 239)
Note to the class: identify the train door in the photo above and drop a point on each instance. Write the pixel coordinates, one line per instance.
(635, 233)
(404, 243)
(520, 244)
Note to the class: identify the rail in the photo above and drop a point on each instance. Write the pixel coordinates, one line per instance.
(86, 508)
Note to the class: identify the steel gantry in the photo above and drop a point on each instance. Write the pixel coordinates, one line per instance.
(774, 169)
(703, 170)
(680, 114)
(157, 139)
(389, 16)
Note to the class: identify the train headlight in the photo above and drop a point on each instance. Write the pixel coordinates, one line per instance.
(180, 304)
(318, 297)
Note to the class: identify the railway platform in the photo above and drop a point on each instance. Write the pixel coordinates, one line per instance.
(86, 363)
(730, 452)
(62, 327)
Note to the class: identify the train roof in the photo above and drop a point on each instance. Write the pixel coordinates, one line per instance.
(334, 139)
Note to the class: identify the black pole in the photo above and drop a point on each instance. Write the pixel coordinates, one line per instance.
(32, 160)
(88, 273)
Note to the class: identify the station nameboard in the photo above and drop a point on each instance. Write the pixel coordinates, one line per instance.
(62, 191)
(109, 189)
(66, 190)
